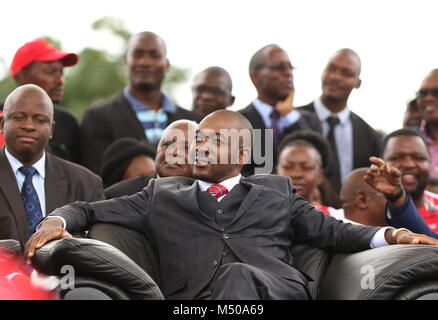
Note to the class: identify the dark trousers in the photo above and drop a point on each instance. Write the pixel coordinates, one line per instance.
(240, 281)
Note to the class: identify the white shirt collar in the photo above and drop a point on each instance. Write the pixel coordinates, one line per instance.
(323, 112)
(229, 183)
(16, 164)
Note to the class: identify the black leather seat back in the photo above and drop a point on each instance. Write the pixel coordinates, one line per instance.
(313, 262)
(97, 260)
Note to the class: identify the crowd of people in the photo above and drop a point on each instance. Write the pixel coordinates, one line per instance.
(316, 173)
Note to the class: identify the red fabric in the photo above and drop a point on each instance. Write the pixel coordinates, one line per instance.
(15, 282)
(324, 209)
(39, 50)
(217, 190)
(429, 211)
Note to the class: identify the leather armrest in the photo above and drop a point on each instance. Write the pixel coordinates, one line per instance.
(381, 273)
(132, 243)
(11, 246)
(95, 259)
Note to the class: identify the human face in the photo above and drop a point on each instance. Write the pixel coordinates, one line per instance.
(27, 125)
(172, 151)
(340, 76)
(146, 62)
(139, 166)
(211, 92)
(48, 76)
(409, 155)
(215, 154)
(428, 102)
(273, 79)
(303, 165)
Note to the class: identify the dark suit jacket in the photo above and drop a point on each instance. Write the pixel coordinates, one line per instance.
(366, 140)
(65, 182)
(110, 120)
(127, 187)
(270, 218)
(307, 121)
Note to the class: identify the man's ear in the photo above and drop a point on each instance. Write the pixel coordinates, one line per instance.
(231, 100)
(358, 83)
(2, 123)
(167, 65)
(244, 155)
(52, 129)
(360, 200)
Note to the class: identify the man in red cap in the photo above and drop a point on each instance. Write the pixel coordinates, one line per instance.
(38, 62)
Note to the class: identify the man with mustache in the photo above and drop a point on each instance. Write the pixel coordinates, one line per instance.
(270, 71)
(211, 91)
(353, 141)
(38, 62)
(427, 100)
(220, 235)
(406, 150)
(142, 111)
(35, 182)
(171, 159)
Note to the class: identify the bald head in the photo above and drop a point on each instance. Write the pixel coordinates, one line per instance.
(361, 203)
(27, 90)
(354, 183)
(27, 123)
(260, 56)
(172, 150)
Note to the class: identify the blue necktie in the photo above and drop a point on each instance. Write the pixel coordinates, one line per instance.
(30, 199)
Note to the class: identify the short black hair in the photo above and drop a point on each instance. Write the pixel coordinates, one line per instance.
(401, 132)
(308, 138)
(259, 58)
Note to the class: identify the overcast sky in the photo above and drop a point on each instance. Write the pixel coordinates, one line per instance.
(396, 40)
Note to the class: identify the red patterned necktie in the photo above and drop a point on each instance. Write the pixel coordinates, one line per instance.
(217, 190)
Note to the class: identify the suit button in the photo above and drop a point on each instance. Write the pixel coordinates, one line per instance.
(226, 236)
(214, 263)
(224, 253)
(220, 211)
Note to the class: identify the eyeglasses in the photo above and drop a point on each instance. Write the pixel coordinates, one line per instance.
(278, 67)
(421, 94)
(212, 90)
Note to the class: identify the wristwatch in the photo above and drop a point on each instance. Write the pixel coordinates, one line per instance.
(395, 197)
(394, 234)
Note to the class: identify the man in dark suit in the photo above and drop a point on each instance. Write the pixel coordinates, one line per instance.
(37, 62)
(270, 70)
(171, 159)
(222, 236)
(27, 124)
(142, 111)
(353, 141)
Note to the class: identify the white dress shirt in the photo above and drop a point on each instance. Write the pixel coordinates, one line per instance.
(37, 179)
(343, 135)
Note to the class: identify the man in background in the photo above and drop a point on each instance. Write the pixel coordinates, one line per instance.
(38, 62)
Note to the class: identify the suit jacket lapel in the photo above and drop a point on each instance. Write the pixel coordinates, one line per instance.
(357, 141)
(9, 187)
(55, 185)
(250, 198)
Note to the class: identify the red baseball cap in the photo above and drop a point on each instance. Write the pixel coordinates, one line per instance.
(40, 50)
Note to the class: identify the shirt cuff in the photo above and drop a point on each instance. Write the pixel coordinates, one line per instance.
(64, 223)
(378, 240)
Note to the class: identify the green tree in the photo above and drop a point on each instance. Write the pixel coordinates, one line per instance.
(98, 76)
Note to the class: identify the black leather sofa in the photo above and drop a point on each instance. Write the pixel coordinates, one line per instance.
(128, 268)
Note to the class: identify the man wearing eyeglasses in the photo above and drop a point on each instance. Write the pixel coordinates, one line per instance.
(427, 100)
(353, 141)
(270, 71)
(211, 90)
